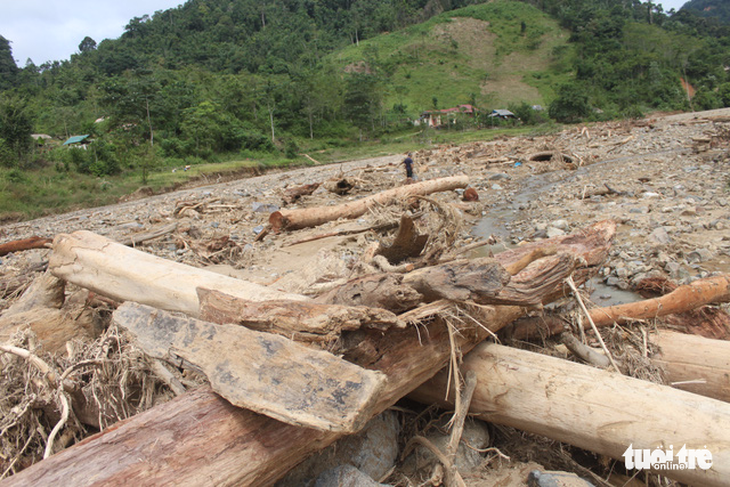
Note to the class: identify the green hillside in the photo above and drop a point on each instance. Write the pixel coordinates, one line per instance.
(488, 55)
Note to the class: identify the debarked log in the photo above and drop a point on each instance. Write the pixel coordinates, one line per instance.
(312, 217)
(694, 363)
(593, 409)
(251, 449)
(125, 274)
(263, 372)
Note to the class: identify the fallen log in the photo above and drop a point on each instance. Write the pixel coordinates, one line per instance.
(24, 244)
(694, 363)
(251, 449)
(592, 409)
(312, 217)
(263, 372)
(710, 290)
(300, 320)
(158, 232)
(296, 192)
(125, 274)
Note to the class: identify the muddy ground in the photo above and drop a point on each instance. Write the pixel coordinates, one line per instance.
(664, 179)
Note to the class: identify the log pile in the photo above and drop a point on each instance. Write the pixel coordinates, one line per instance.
(279, 376)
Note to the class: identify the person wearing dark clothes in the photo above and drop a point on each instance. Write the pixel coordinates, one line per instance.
(409, 166)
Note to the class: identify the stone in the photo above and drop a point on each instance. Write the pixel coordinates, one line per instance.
(699, 255)
(660, 236)
(345, 476)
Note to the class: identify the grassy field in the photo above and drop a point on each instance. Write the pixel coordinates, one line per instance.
(35, 193)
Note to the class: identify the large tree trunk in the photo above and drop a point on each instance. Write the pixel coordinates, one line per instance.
(312, 217)
(592, 409)
(125, 274)
(200, 439)
(694, 363)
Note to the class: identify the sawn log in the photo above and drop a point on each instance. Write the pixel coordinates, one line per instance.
(312, 217)
(171, 444)
(592, 408)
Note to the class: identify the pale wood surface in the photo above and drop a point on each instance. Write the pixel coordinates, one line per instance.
(590, 408)
(312, 217)
(125, 274)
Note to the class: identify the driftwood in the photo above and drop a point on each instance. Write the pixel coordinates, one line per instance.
(299, 320)
(262, 372)
(25, 244)
(385, 291)
(312, 217)
(339, 186)
(691, 296)
(592, 409)
(139, 238)
(251, 449)
(296, 192)
(407, 243)
(693, 363)
(124, 274)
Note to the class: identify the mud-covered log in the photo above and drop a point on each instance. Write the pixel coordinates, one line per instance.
(125, 274)
(592, 408)
(250, 449)
(300, 320)
(263, 372)
(385, 291)
(312, 217)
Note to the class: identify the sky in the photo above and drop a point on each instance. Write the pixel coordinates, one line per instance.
(51, 30)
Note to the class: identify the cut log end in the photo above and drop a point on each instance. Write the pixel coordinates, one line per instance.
(277, 221)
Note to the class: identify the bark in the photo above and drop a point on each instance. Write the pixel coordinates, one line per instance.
(25, 244)
(250, 449)
(592, 409)
(299, 320)
(124, 274)
(266, 373)
(312, 217)
(385, 291)
(699, 293)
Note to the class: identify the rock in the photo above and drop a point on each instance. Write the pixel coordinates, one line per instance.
(560, 224)
(699, 255)
(372, 452)
(498, 176)
(258, 207)
(555, 479)
(496, 187)
(660, 236)
(554, 232)
(345, 476)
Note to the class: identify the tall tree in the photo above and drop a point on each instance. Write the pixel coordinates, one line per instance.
(8, 68)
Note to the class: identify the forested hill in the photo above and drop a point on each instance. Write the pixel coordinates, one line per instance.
(231, 78)
(710, 9)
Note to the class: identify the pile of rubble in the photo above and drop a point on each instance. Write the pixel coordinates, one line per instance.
(228, 334)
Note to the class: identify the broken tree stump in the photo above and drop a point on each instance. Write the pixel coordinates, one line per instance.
(125, 274)
(312, 217)
(407, 243)
(263, 372)
(252, 449)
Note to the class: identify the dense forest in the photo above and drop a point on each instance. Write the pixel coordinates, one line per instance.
(216, 79)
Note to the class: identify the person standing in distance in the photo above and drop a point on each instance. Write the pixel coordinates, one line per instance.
(408, 161)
